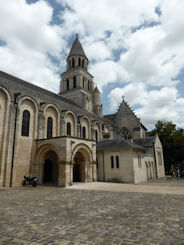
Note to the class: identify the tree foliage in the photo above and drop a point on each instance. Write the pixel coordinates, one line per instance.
(172, 139)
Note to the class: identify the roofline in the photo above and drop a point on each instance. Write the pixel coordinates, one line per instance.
(35, 87)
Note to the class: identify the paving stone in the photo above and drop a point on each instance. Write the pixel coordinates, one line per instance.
(59, 216)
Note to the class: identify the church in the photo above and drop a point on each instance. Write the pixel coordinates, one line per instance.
(65, 138)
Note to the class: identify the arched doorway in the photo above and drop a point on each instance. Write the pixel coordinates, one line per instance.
(50, 168)
(83, 169)
(78, 168)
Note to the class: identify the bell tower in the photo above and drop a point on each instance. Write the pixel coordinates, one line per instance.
(77, 83)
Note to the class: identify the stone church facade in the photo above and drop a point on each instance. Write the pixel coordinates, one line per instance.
(64, 138)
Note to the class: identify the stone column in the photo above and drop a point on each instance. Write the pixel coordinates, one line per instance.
(71, 173)
(94, 173)
(90, 172)
(78, 130)
(85, 172)
(62, 126)
(41, 125)
(64, 177)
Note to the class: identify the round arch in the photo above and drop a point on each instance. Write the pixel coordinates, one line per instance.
(85, 122)
(98, 129)
(69, 117)
(6, 92)
(51, 110)
(5, 102)
(107, 131)
(46, 164)
(81, 163)
(85, 150)
(28, 103)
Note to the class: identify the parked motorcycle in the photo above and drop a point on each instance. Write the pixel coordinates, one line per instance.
(30, 181)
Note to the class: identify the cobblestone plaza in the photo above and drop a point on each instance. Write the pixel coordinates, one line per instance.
(64, 216)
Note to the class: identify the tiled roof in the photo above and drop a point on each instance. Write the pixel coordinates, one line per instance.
(115, 144)
(110, 116)
(77, 49)
(148, 141)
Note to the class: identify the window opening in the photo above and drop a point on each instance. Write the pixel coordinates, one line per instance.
(68, 128)
(73, 62)
(25, 123)
(96, 135)
(67, 84)
(117, 161)
(124, 133)
(49, 127)
(112, 162)
(83, 82)
(83, 132)
(74, 81)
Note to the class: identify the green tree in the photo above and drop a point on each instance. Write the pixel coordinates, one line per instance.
(172, 139)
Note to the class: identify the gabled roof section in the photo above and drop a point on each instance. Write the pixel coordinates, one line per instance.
(116, 144)
(77, 49)
(124, 106)
(147, 141)
(143, 126)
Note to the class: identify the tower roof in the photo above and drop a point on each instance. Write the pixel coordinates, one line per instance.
(96, 90)
(77, 48)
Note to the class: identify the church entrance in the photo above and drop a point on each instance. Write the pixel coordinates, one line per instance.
(79, 168)
(50, 168)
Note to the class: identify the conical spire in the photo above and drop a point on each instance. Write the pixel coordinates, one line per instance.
(77, 49)
(96, 90)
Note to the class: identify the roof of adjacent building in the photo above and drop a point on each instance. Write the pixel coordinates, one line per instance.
(147, 141)
(115, 144)
(77, 48)
(110, 116)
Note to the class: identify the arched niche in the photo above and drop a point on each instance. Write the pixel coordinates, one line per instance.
(28, 104)
(52, 112)
(97, 131)
(86, 123)
(70, 118)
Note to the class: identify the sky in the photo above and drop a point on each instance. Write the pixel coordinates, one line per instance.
(135, 49)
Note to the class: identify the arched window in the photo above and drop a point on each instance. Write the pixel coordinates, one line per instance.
(96, 135)
(69, 64)
(125, 133)
(67, 84)
(25, 123)
(49, 127)
(112, 162)
(83, 82)
(79, 61)
(88, 84)
(83, 63)
(117, 161)
(68, 128)
(74, 81)
(73, 62)
(83, 132)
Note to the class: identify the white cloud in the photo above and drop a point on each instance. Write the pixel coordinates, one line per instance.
(127, 42)
(108, 67)
(152, 105)
(29, 38)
